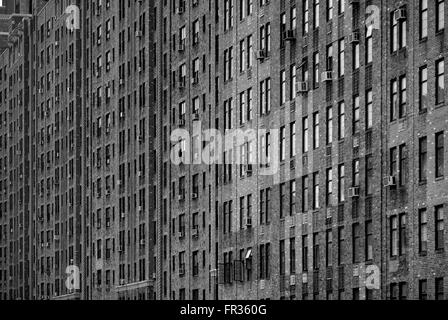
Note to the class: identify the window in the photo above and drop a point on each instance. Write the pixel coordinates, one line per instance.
(393, 291)
(242, 55)
(440, 15)
(228, 14)
(423, 289)
(440, 82)
(282, 87)
(305, 194)
(329, 137)
(422, 159)
(356, 115)
(423, 88)
(402, 98)
(341, 120)
(329, 57)
(316, 14)
(265, 96)
(292, 197)
(423, 19)
(304, 253)
(356, 182)
(265, 196)
(356, 242)
(341, 183)
(282, 257)
(341, 244)
(440, 150)
(329, 248)
(356, 54)
(403, 290)
(393, 236)
(402, 239)
(316, 131)
(282, 200)
(292, 140)
(439, 228)
(341, 6)
(316, 259)
(329, 187)
(305, 17)
(246, 106)
(398, 32)
(228, 64)
(394, 100)
(369, 174)
(369, 109)
(341, 58)
(398, 98)
(246, 8)
(439, 289)
(422, 230)
(393, 162)
(292, 255)
(316, 69)
(369, 44)
(264, 261)
(228, 110)
(265, 38)
(403, 165)
(282, 29)
(292, 82)
(282, 143)
(369, 240)
(305, 135)
(316, 204)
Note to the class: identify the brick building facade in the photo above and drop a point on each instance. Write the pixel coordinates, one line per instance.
(346, 108)
(77, 121)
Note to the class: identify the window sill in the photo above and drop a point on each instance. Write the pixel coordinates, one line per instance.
(439, 179)
(440, 105)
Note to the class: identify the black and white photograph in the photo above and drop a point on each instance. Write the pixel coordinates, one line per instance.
(194, 152)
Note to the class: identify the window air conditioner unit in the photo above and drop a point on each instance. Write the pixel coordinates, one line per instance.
(354, 37)
(302, 87)
(261, 54)
(327, 76)
(389, 181)
(194, 195)
(353, 192)
(138, 34)
(289, 35)
(400, 14)
(195, 116)
(180, 10)
(181, 122)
